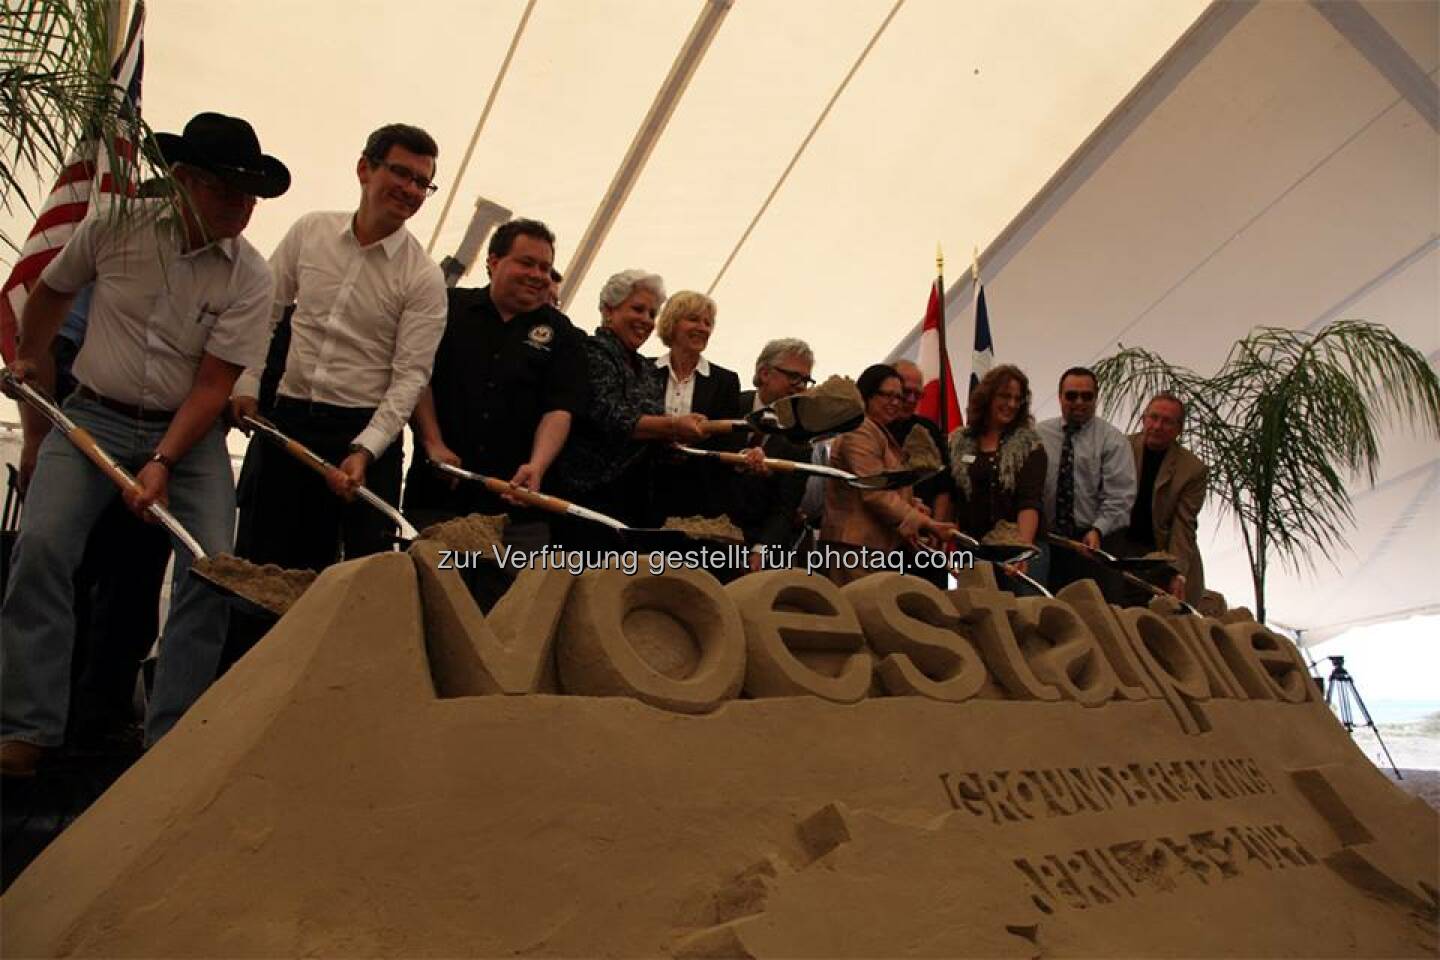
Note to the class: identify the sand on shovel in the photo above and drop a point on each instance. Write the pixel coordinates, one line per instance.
(824, 407)
(920, 451)
(1005, 533)
(706, 528)
(273, 587)
(476, 532)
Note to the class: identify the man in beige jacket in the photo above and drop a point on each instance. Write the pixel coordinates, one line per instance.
(1171, 490)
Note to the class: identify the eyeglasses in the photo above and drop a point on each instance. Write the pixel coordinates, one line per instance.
(894, 395)
(1082, 395)
(796, 378)
(403, 172)
(910, 394)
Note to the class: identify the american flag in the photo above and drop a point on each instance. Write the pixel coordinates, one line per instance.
(69, 199)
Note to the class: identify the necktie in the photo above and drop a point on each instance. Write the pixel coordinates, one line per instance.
(1065, 486)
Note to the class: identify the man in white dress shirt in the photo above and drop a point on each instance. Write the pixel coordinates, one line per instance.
(178, 311)
(369, 312)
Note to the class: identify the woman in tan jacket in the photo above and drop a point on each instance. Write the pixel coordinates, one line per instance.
(878, 520)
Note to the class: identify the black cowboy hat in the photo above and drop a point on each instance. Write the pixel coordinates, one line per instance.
(228, 148)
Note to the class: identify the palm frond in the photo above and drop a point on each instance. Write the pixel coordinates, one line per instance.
(1285, 424)
(55, 95)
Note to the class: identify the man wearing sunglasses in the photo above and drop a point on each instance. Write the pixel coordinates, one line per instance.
(369, 312)
(767, 505)
(1089, 477)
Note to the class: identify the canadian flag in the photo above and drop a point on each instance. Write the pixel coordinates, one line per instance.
(934, 363)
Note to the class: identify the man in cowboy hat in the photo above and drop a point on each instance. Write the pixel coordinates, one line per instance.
(179, 310)
(369, 310)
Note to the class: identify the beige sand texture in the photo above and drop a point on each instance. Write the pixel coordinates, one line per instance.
(323, 799)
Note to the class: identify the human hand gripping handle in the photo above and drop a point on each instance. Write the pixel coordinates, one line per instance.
(144, 497)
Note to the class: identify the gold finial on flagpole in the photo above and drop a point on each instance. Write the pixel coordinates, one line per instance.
(975, 267)
(939, 260)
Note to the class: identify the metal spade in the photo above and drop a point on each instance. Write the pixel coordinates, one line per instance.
(1124, 566)
(87, 445)
(640, 538)
(887, 480)
(322, 466)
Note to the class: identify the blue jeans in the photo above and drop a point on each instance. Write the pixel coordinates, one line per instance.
(67, 495)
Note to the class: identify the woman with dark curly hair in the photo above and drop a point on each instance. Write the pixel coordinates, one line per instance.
(998, 461)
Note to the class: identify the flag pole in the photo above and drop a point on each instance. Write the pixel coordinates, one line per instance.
(944, 405)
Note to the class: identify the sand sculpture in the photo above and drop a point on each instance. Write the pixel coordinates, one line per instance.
(611, 765)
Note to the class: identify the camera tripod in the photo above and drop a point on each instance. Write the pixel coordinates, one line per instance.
(1341, 687)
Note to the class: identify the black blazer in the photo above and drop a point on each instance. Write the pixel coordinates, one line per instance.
(689, 486)
(766, 508)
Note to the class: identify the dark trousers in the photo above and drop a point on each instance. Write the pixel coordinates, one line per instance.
(289, 516)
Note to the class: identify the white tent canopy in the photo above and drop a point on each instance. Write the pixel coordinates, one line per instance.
(1277, 167)
(1266, 170)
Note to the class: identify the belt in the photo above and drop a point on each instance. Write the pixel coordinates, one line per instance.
(326, 410)
(133, 412)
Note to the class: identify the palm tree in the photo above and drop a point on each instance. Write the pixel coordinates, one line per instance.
(1289, 418)
(55, 92)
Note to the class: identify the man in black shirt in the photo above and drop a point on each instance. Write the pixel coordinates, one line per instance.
(509, 374)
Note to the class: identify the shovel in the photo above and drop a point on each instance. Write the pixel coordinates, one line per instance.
(322, 466)
(640, 537)
(1005, 554)
(87, 445)
(888, 480)
(1124, 566)
(765, 420)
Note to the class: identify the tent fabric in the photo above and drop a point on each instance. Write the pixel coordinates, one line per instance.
(1264, 169)
(1277, 167)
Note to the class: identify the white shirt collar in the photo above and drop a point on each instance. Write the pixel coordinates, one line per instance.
(390, 244)
(702, 367)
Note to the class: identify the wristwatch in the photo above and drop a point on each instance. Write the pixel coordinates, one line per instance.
(167, 462)
(361, 448)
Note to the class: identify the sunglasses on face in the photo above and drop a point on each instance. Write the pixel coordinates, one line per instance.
(1084, 396)
(405, 174)
(227, 191)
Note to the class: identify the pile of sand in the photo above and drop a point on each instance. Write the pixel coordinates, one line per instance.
(706, 528)
(825, 407)
(272, 587)
(920, 451)
(477, 532)
(1005, 533)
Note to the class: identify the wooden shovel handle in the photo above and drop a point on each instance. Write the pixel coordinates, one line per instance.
(307, 456)
(739, 459)
(87, 445)
(542, 501)
(713, 427)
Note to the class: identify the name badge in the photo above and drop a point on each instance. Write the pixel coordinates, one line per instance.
(968, 458)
